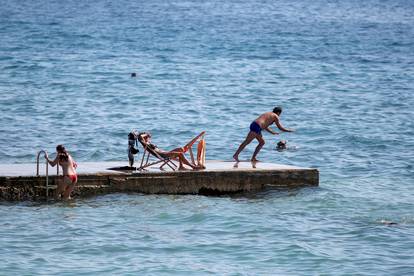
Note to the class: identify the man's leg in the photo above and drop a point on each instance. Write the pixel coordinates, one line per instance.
(259, 147)
(248, 140)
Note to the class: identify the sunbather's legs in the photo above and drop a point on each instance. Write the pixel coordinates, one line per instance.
(177, 150)
(183, 160)
(178, 153)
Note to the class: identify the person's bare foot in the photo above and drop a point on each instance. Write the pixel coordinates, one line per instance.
(236, 157)
(198, 167)
(183, 169)
(254, 160)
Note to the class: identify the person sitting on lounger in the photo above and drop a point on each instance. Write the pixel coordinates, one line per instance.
(172, 154)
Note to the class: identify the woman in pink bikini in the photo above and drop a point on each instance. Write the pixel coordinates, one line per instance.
(65, 160)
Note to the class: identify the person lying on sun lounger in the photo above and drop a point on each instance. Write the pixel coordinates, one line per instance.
(177, 153)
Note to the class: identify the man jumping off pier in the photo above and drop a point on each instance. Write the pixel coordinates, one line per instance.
(261, 123)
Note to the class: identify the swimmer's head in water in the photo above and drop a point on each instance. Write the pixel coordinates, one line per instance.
(281, 144)
(277, 110)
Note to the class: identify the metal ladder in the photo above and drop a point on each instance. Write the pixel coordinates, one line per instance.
(47, 171)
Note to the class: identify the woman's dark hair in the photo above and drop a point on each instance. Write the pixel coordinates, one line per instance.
(142, 134)
(62, 153)
(277, 110)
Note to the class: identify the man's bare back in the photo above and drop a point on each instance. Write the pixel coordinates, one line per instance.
(266, 119)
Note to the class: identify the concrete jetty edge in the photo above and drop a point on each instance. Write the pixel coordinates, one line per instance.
(18, 182)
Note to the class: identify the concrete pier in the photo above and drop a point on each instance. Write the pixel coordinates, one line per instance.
(19, 181)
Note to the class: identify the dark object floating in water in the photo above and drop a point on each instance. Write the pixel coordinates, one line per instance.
(388, 222)
(124, 168)
(133, 75)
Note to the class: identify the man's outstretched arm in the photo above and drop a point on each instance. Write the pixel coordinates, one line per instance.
(268, 129)
(282, 128)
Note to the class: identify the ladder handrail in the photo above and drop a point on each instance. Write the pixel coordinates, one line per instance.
(37, 161)
(47, 170)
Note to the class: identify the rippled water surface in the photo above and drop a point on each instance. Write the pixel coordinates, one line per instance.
(342, 70)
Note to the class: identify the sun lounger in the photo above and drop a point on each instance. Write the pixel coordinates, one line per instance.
(150, 150)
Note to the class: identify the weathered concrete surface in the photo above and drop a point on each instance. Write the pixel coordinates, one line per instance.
(18, 181)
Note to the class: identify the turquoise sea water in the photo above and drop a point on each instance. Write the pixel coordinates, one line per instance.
(342, 70)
